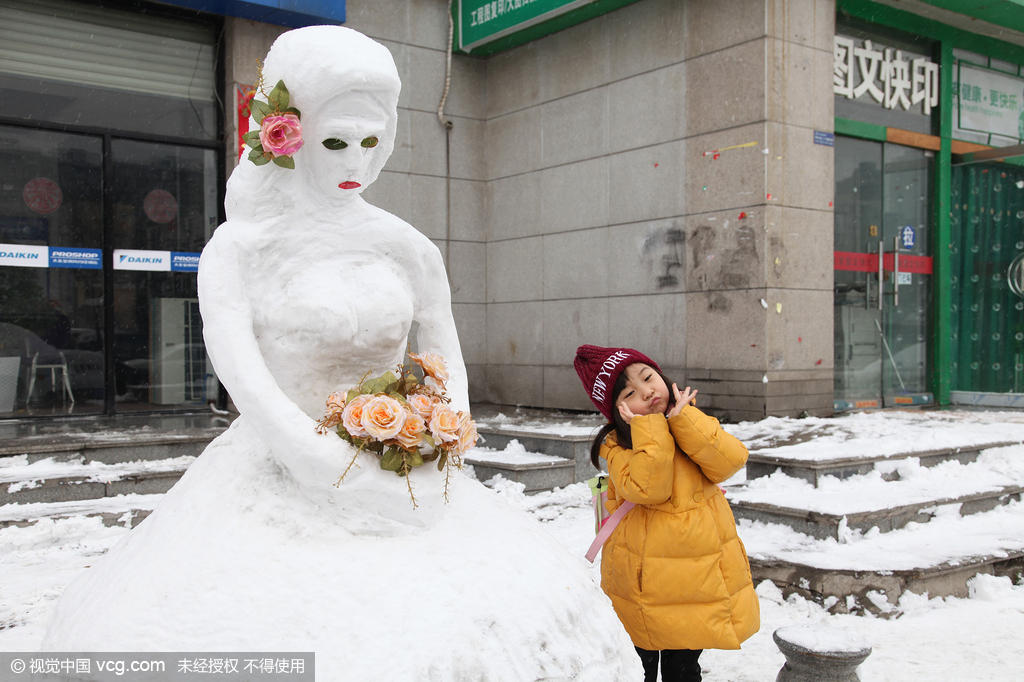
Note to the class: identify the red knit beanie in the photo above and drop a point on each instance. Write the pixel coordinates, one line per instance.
(599, 368)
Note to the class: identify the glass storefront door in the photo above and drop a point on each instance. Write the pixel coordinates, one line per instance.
(882, 274)
(58, 331)
(164, 206)
(51, 278)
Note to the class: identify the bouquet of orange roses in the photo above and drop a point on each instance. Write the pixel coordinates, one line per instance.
(404, 419)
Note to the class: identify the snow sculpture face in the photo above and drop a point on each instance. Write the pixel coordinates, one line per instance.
(346, 87)
(344, 146)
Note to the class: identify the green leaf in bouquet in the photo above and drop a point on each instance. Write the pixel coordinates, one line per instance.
(252, 138)
(284, 162)
(278, 97)
(352, 394)
(428, 457)
(391, 460)
(259, 158)
(343, 434)
(414, 459)
(380, 384)
(442, 460)
(260, 110)
(291, 110)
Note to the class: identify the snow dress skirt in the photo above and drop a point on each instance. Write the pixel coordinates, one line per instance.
(237, 558)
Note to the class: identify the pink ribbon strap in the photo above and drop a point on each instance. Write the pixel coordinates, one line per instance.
(606, 530)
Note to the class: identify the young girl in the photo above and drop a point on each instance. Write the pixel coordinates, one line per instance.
(674, 568)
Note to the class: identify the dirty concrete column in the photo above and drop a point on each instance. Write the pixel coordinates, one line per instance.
(759, 196)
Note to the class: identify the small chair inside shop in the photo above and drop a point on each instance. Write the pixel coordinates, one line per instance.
(54, 367)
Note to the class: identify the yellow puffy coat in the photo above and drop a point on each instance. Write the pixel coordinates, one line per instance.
(675, 569)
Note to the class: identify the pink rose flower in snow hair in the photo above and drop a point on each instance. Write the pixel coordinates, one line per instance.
(281, 135)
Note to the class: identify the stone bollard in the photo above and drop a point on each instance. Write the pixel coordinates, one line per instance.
(819, 653)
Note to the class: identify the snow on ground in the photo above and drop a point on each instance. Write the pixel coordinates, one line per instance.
(952, 639)
(956, 639)
(934, 639)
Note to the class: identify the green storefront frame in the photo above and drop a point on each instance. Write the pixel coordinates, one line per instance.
(947, 39)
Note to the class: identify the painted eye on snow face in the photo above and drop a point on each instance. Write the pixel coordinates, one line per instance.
(369, 142)
(334, 143)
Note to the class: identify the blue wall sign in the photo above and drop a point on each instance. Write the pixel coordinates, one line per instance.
(291, 13)
(75, 257)
(908, 236)
(184, 261)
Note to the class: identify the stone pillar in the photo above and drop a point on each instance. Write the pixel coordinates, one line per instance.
(759, 194)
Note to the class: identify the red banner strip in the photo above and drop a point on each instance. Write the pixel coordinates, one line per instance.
(852, 261)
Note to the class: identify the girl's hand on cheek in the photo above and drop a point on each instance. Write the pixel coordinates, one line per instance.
(682, 399)
(626, 413)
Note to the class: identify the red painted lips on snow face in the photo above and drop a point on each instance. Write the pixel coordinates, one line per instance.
(349, 184)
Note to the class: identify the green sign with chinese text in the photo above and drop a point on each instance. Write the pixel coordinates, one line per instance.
(990, 101)
(486, 26)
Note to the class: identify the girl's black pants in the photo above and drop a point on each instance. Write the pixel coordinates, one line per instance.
(677, 665)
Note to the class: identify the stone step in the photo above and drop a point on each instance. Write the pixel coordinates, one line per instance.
(877, 500)
(766, 462)
(556, 472)
(109, 449)
(573, 449)
(870, 571)
(50, 480)
(823, 525)
(878, 591)
(117, 510)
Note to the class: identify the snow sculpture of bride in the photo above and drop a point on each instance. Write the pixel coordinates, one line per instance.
(304, 290)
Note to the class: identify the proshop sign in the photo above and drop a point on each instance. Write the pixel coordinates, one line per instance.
(78, 258)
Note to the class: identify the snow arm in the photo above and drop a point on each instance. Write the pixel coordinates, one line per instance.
(643, 475)
(236, 356)
(437, 333)
(718, 453)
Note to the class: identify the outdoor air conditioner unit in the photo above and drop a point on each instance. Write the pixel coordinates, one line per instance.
(177, 354)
